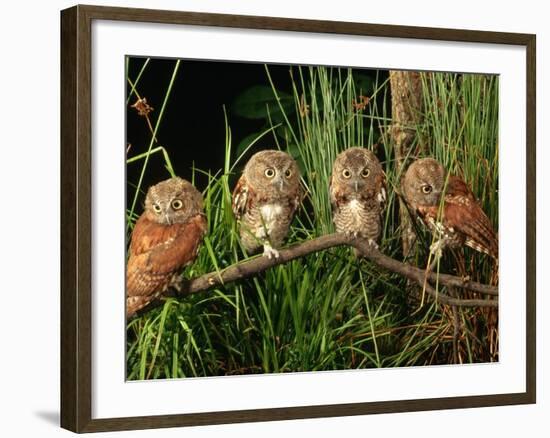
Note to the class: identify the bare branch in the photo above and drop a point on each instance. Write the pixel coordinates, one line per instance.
(253, 266)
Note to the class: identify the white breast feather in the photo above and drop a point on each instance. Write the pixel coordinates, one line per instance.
(355, 206)
(270, 213)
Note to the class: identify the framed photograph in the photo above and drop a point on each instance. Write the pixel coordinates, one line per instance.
(268, 219)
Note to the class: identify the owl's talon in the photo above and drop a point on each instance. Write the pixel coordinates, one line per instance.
(270, 252)
(211, 281)
(436, 249)
(373, 243)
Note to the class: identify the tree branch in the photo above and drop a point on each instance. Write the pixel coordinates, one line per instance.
(256, 265)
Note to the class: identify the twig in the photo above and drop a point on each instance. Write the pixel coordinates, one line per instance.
(258, 264)
(456, 334)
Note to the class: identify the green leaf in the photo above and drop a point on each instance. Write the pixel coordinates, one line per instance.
(295, 153)
(284, 133)
(254, 102)
(245, 142)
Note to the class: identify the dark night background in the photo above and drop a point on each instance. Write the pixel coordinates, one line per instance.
(193, 127)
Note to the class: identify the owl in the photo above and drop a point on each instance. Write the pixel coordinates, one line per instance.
(166, 237)
(358, 194)
(448, 208)
(265, 200)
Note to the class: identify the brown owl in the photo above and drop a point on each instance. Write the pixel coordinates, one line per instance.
(358, 194)
(448, 208)
(166, 238)
(265, 199)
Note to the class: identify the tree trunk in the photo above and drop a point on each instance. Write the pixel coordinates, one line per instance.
(406, 97)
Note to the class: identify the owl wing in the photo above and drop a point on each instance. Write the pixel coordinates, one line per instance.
(336, 197)
(381, 192)
(157, 252)
(296, 199)
(242, 196)
(331, 191)
(463, 213)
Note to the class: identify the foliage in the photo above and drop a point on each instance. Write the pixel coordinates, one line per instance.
(326, 311)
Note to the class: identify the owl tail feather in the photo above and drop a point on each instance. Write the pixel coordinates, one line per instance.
(135, 303)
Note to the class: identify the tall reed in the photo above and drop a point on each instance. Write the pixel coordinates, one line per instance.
(326, 311)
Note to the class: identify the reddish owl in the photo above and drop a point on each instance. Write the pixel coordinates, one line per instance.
(449, 209)
(358, 194)
(265, 199)
(166, 238)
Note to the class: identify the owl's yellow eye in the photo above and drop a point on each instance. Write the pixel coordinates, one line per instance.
(426, 189)
(157, 208)
(346, 173)
(177, 204)
(288, 172)
(365, 173)
(269, 172)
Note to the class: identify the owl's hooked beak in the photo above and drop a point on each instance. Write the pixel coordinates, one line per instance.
(280, 182)
(357, 185)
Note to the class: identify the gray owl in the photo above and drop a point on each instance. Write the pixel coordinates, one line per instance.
(358, 194)
(265, 199)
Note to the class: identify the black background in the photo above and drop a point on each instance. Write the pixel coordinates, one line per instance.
(193, 127)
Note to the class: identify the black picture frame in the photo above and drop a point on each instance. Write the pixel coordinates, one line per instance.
(76, 222)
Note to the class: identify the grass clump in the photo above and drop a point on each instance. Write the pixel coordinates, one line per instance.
(326, 311)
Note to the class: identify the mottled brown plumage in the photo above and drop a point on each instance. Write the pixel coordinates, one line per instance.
(265, 200)
(166, 237)
(358, 194)
(448, 208)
